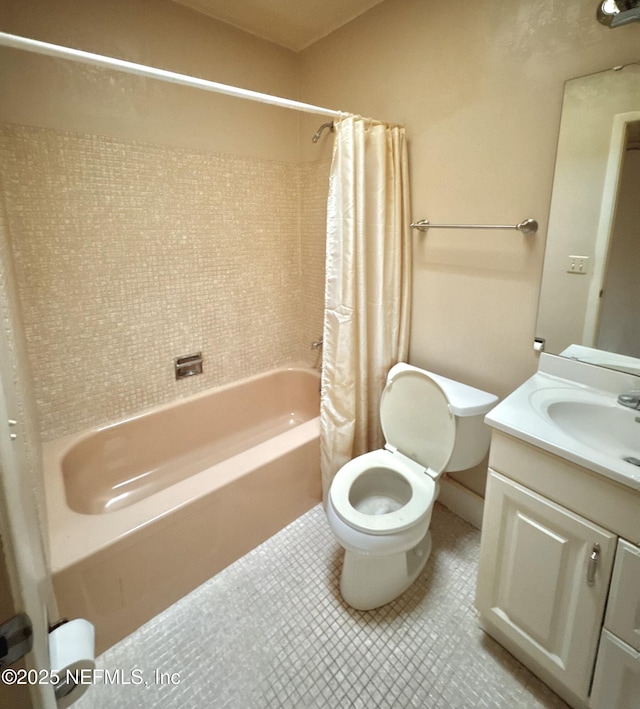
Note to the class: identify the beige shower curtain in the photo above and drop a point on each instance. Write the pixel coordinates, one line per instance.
(368, 285)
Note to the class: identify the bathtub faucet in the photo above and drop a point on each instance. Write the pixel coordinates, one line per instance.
(316, 345)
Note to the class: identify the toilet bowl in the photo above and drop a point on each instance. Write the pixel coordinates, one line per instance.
(379, 504)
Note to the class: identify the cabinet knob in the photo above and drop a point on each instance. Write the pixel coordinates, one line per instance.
(594, 557)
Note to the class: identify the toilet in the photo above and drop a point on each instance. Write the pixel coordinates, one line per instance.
(379, 504)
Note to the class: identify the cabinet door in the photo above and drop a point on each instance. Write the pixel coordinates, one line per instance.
(616, 682)
(623, 607)
(537, 583)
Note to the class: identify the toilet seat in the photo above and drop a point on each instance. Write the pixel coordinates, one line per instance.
(422, 492)
(420, 430)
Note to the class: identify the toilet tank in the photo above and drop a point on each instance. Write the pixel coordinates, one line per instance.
(469, 406)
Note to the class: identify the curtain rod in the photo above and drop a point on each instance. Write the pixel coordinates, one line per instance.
(77, 55)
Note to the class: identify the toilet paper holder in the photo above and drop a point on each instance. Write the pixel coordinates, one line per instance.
(16, 639)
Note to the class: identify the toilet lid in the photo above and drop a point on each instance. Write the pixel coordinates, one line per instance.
(416, 418)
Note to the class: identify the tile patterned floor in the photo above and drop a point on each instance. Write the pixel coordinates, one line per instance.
(271, 632)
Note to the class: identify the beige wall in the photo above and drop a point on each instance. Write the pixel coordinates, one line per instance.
(62, 95)
(150, 221)
(478, 85)
(130, 254)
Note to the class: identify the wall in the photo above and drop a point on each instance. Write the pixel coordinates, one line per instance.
(130, 254)
(478, 85)
(314, 185)
(150, 221)
(621, 300)
(62, 95)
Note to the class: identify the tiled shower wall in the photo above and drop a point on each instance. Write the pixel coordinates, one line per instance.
(314, 185)
(129, 254)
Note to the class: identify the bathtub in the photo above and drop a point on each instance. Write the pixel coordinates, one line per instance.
(142, 511)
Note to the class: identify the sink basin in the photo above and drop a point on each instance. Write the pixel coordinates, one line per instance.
(608, 428)
(570, 409)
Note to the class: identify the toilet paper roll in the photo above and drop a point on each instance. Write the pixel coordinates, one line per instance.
(72, 655)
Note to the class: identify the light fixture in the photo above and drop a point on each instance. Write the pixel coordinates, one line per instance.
(615, 13)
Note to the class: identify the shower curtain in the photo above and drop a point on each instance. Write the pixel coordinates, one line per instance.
(367, 287)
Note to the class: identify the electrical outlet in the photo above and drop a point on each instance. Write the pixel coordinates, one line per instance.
(578, 264)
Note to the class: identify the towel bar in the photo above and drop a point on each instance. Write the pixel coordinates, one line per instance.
(528, 226)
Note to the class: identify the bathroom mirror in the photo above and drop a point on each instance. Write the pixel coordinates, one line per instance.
(589, 305)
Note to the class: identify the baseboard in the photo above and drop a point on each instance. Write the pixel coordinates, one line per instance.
(464, 502)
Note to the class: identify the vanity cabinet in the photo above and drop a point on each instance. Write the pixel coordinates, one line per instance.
(550, 552)
(544, 575)
(616, 682)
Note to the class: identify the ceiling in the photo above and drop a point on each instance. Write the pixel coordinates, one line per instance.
(294, 24)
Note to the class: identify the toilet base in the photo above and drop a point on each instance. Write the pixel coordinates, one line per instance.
(368, 582)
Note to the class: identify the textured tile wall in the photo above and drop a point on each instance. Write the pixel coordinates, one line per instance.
(19, 400)
(129, 254)
(314, 185)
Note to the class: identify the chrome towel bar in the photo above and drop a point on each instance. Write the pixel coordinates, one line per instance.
(528, 226)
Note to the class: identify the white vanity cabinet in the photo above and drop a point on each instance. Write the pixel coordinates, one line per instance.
(550, 550)
(616, 682)
(538, 582)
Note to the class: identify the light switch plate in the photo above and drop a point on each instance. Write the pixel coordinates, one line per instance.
(578, 265)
